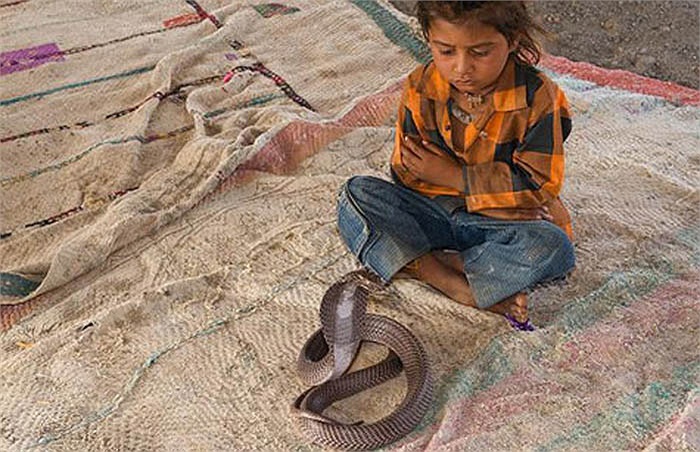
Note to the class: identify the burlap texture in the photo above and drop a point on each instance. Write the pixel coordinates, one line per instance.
(174, 300)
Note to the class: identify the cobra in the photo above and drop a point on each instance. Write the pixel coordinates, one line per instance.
(330, 351)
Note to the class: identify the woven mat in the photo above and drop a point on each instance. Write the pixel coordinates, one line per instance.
(168, 183)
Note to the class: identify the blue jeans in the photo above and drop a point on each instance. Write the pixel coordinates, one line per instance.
(387, 226)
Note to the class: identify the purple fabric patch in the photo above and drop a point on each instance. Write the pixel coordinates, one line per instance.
(231, 56)
(268, 10)
(19, 60)
(520, 326)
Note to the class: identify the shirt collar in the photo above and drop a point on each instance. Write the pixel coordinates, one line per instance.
(508, 95)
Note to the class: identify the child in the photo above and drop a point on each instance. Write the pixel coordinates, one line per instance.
(478, 164)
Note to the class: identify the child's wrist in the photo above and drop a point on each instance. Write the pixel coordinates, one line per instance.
(458, 178)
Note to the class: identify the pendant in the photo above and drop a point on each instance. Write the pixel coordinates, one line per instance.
(474, 100)
(461, 115)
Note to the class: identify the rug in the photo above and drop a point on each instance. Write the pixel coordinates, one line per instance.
(168, 185)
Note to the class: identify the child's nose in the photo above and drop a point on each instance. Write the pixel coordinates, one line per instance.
(464, 64)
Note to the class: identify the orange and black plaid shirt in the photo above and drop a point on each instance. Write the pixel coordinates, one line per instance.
(512, 154)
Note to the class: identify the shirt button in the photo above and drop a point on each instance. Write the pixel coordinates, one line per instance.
(448, 127)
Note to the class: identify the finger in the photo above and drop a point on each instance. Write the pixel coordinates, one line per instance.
(513, 214)
(544, 213)
(408, 159)
(411, 151)
(432, 148)
(405, 146)
(420, 146)
(411, 140)
(528, 214)
(411, 166)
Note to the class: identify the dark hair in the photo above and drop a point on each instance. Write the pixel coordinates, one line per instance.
(511, 19)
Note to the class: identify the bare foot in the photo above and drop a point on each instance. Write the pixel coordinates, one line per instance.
(452, 259)
(443, 271)
(440, 276)
(515, 305)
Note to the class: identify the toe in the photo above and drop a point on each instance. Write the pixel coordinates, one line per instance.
(520, 307)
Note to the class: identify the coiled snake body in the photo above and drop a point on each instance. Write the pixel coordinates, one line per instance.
(330, 351)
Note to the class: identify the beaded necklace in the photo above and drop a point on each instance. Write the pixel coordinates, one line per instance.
(474, 103)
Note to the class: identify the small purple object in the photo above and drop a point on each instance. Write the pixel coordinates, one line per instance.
(20, 60)
(520, 326)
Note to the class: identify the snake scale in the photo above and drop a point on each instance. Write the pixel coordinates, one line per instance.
(331, 350)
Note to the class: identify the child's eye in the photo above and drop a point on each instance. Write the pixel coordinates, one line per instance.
(446, 52)
(480, 53)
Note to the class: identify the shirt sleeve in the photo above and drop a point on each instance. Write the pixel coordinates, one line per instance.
(539, 159)
(531, 173)
(405, 125)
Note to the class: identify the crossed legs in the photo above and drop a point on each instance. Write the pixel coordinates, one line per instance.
(443, 271)
(386, 225)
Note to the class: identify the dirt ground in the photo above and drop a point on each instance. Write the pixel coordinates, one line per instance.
(658, 39)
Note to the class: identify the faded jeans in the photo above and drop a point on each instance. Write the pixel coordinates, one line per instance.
(387, 226)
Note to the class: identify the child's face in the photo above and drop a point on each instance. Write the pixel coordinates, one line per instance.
(470, 55)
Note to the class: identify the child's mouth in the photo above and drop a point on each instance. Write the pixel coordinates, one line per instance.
(463, 82)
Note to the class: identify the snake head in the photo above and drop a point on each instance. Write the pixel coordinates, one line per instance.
(342, 311)
(365, 278)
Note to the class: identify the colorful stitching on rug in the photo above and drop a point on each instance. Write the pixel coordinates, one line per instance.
(143, 140)
(279, 81)
(259, 100)
(84, 48)
(395, 30)
(10, 314)
(107, 78)
(183, 20)
(83, 124)
(13, 285)
(55, 54)
(23, 59)
(203, 13)
(69, 213)
(235, 44)
(268, 10)
(18, 2)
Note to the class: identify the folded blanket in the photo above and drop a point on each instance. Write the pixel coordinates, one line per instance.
(167, 221)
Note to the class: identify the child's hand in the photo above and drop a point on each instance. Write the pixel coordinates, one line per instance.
(536, 213)
(429, 163)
